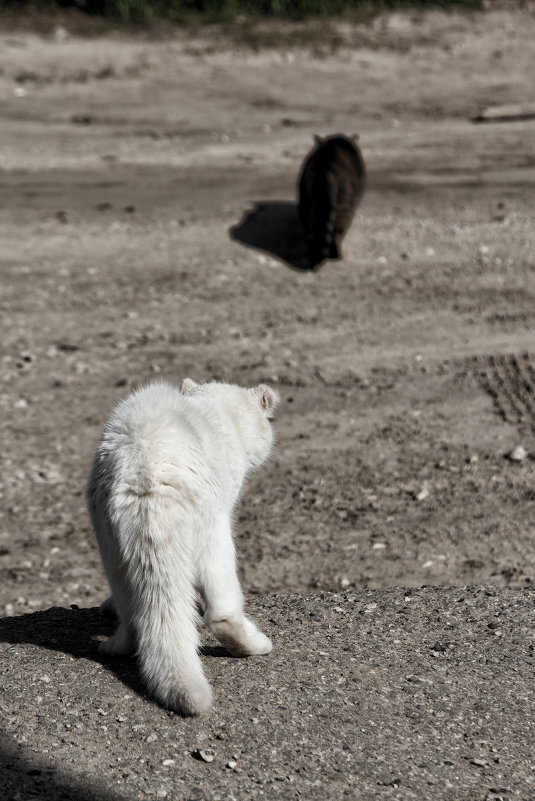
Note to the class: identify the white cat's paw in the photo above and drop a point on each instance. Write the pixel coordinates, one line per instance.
(241, 638)
(193, 699)
(196, 700)
(107, 607)
(118, 645)
(259, 644)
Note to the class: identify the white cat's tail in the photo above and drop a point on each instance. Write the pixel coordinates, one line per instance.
(155, 539)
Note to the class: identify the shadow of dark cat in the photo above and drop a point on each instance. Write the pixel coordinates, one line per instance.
(274, 228)
(76, 632)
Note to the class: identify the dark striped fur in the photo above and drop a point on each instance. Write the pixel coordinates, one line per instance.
(331, 184)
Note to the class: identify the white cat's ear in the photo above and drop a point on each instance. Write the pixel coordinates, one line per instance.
(188, 384)
(268, 399)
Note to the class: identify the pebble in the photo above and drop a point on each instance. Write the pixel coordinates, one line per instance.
(231, 764)
(423, 494)
(518, 454)
(204, 754)
(167, 762)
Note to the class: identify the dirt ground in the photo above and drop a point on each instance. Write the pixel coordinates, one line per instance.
(148, 229)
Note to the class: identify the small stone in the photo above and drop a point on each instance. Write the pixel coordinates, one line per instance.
(378, 546)
(61, 33)
(204, 754)
(231, 764)
(480, 763)
(518, 454)
(151, 738)
(167, 762)
(423, 494)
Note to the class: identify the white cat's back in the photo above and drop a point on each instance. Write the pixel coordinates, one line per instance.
(153, 438)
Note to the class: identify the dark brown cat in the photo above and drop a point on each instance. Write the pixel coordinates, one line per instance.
(331, 185)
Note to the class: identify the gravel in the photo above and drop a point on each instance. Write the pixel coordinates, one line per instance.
(414, 694)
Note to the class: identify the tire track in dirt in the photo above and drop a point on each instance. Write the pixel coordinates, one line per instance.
(510, 381)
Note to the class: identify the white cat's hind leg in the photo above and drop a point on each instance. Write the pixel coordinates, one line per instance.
(223, 597)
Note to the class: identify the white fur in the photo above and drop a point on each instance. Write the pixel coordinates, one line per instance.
(167, 474)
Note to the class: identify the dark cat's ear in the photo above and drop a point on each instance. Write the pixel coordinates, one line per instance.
(268, 399)
(188, 384)
(355, 137)
(317, 139)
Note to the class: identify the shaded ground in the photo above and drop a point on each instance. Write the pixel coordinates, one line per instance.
(148, 228)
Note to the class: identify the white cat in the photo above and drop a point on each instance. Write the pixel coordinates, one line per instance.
(167, 474)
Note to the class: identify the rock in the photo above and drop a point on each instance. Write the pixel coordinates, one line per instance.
(424, 493)
(204, 754)
(518, 454)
